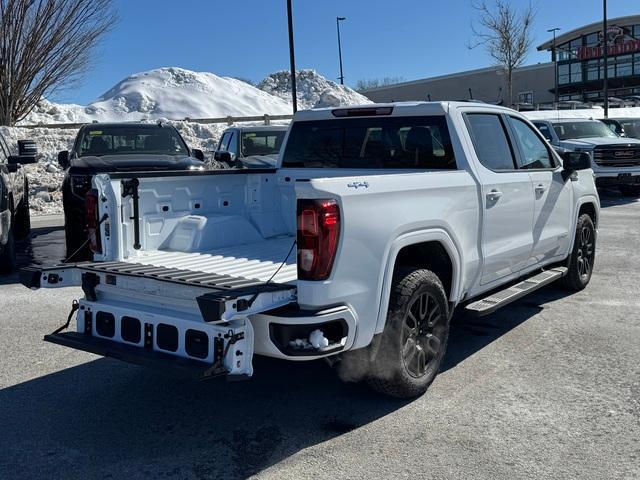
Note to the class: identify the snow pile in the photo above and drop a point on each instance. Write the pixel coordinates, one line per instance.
(173, 93)
(313, 90)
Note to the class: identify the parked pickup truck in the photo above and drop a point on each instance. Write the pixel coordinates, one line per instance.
(15, 220)
(616, 160)
(377, 224)
(115, 147)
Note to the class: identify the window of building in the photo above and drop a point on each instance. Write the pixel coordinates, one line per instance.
(576, 72)
(525, 97)
(563, 73)
(592, 40)
(623, 66)
(636, 64)
(636, 31)
(593, 69)
(490, 141)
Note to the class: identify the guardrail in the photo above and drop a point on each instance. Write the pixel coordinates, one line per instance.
(266, 118)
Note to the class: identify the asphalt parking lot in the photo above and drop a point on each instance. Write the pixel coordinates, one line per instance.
(548, 387)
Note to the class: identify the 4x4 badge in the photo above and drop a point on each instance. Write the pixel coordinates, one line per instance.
(357, 185)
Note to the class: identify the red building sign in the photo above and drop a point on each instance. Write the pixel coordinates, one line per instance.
(620, 48)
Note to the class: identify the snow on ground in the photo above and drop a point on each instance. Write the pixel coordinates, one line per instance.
(313, 90)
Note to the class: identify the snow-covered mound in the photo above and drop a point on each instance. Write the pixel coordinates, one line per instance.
(173, 93)
(313, 90)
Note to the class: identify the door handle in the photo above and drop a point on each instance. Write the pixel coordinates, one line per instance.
(494, 195)
(540, 188)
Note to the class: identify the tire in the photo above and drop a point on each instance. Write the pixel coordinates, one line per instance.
(8, 255)
(415, 336)
(582, 257)
(22, 215)
(630, 190)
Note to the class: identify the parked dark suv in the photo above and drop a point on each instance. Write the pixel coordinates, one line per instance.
(115, 147)
(15, 222)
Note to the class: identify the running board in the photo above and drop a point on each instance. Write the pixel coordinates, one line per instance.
(504, 297)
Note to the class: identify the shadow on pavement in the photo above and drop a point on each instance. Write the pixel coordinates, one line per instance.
(610, 197)
(43, 247)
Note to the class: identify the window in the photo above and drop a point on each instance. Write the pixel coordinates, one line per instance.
(490, 141)
(102, 140)
(261, 142)
(592, 40)
(582, 129)
(636, 64)
(563, 73)
(576, 72)
(372, 142)
(623, 66)
(544, 130)
(224, 141)
(525, 97)
(232, 145)
(593, 69)
(535, 153)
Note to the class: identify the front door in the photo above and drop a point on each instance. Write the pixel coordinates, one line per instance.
(507, 199)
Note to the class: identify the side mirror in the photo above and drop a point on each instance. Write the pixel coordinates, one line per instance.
(63, 159)
(573, 161)
(26, 153)
(224, 156)
(197, 154)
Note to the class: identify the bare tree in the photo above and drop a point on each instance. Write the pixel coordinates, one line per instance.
(46, 45)
(505, 34)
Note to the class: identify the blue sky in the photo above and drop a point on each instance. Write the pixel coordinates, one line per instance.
(248, 38)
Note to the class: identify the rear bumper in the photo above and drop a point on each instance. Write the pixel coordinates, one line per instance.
(275, 331)
(615, 179)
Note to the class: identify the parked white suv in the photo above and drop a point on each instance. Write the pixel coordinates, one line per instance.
(378, 222)
(616, 160)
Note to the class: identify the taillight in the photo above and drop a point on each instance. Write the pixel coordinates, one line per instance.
(318, 233)
(91, 204)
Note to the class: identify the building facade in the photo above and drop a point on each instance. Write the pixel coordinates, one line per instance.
(580, 71)
(580, 57)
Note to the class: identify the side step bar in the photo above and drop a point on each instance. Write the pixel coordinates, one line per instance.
(176, 366)
(504, 297)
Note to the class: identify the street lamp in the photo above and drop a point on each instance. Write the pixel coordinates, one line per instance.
(555, 60)
(338, 20)
(292, 58)
(605, 58)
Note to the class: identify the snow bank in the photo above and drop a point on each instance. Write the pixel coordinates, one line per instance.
(313, 90)
(173, 93)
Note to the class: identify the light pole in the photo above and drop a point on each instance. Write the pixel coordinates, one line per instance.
(338, 20)
(292, 59)
(555, 61)
(605, 58)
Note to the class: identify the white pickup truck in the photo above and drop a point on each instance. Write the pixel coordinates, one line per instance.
(377, 223)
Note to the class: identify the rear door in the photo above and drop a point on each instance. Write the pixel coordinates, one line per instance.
(552, 195)
(507, 198)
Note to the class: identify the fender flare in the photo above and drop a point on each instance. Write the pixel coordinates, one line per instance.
(582, 201)
(411, 238)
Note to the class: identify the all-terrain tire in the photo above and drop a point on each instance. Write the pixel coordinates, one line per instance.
(415, 336)
(582, 257)
(8, 255)
(22, 215)
(630, 190)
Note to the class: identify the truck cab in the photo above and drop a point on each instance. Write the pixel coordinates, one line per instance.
(615, 160)
(251, 147)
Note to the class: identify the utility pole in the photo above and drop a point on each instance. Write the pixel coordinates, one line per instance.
(338, 20)
(555, 61)
(292, 59)
(605, 55)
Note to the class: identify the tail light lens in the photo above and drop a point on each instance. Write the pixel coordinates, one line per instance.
(318, 234)
(91, 204)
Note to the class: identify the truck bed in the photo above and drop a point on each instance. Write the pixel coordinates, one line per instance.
(254, 263)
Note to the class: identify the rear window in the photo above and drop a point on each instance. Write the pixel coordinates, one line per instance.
(261, 143)
(130, 140)
(390, 142)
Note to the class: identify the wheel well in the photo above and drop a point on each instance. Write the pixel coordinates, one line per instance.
(589, 209)
(431, 256)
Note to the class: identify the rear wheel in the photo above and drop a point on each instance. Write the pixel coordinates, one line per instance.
(582, 256)
(415, 337)
(8, 255)
(22, 215)
(630, 190)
